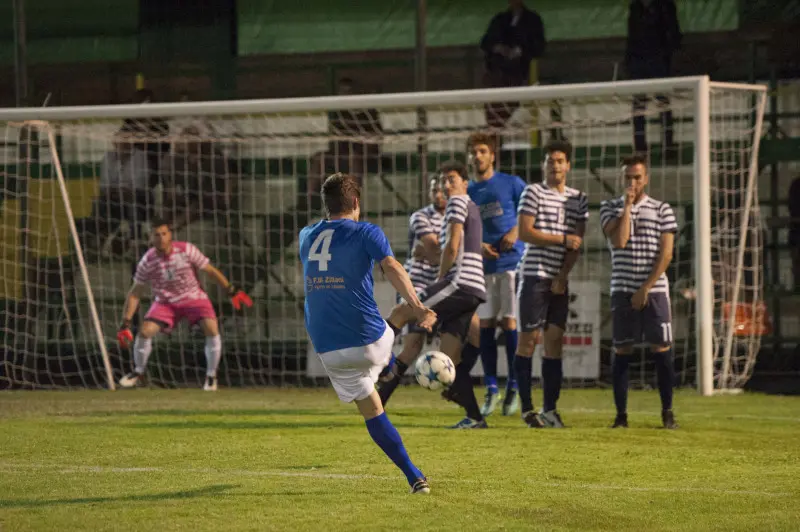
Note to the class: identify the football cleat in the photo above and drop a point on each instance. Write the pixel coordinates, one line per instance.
(421, 486)
(532, 419)
(511, 402)
(469, 423)
(668, 419)
(130, 380)
(490, 403)
(210, 384)
(620, 422)
(551, 419)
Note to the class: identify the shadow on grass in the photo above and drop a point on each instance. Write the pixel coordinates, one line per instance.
(153, 497)
(204, 412)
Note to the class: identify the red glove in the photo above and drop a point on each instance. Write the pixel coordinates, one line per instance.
(239, 298)
(124, 335)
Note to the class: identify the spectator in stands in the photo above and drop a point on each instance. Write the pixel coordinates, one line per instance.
(354, 148)
(515, 37)
(125, 195)
(149, 132)
(794, 231)
(653, 37)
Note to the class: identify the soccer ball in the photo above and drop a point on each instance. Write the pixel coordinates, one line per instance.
(434, 370)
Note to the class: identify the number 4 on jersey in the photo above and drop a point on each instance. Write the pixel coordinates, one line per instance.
(320, 250)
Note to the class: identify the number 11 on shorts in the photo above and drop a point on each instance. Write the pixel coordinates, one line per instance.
(666, 332)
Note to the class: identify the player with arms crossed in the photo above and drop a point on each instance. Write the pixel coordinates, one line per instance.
(457, 292)
(422, 267)
(552, 221)
(170, 268)
(641, 232)
(497, 196)
(342, 318)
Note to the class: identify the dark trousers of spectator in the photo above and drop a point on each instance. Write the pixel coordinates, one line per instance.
(110, 209)
(650, 69)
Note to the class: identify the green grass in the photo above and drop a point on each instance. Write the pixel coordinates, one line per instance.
(300, 460)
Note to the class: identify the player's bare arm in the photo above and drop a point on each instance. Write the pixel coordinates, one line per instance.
(639, 299)
(455, 234)
(135, 294)
(238, 297)
(509, 239)
(427, 249)
(618, 230)
(401, 282)
(530, 235)
(570, 259)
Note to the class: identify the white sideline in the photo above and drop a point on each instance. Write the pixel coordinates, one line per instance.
(70, 470)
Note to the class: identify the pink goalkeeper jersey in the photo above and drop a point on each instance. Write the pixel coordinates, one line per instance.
(173, 277)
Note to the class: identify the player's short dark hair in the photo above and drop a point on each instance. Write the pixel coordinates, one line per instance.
(158, 221)
(636, 158)
(563, 146)
(340, 192)
(480, 137)
(454, 166)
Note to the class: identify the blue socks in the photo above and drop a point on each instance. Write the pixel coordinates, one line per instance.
(523, 368)
(552, 375)
(489, 358)
(388, 439)
(665, 374)
(620, 380)
(511, 348)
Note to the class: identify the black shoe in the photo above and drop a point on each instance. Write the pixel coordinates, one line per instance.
(421, 486)
(620, 422)
(448, 394)
(533, 420)
(668, 418)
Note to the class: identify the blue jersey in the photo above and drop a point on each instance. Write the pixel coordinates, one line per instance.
(338, 257)
(498, 200)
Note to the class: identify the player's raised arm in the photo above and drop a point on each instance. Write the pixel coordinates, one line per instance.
(401, 282)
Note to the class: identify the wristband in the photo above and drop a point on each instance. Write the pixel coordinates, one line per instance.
(232, 290)
(126, 324)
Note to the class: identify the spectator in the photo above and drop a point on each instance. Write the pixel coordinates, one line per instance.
(515, 37)
(354, 148)
(794, 231)
(125, 194)
(149, 132)
(653, 36)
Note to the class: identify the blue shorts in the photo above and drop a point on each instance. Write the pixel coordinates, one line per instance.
(538, 306)
(651, 325)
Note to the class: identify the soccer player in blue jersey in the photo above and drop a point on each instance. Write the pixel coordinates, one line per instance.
(424, 228)
(342, 318)
(497, 196)
(552, 221)
(641, 233)
(458, 291)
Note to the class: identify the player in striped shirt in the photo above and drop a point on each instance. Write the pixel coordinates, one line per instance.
(170, 268)
(552, 221)
(641, 233)
(458, 291)
(422, 266)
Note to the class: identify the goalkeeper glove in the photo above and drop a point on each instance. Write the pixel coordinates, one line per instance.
(239, 298)
(124, 335)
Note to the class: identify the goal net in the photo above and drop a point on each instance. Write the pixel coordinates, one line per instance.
(240, 179)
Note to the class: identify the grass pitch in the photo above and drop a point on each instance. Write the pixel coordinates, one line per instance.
(299, 460)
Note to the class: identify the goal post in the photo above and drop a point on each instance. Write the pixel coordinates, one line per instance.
(243, 176)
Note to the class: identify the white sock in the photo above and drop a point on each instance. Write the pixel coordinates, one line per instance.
(141, 352)
(213, 354)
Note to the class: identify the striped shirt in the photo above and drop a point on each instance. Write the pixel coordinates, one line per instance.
(173, 277)
(631, 265)
(467, 272)
(426, 221)
(556, 214)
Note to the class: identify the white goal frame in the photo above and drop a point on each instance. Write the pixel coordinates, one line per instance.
(699, 86)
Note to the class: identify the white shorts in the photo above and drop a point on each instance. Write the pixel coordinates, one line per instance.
(354, 371)
(501, 296)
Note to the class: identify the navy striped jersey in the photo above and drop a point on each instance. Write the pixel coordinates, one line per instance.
(554, 213)
(467, 272)
(425, 221)
(631, 265)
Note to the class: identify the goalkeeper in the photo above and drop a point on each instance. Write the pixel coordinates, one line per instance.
(170, 268)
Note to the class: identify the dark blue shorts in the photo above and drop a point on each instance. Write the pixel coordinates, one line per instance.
(538, 306)
(453, 305)
(651, 325)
